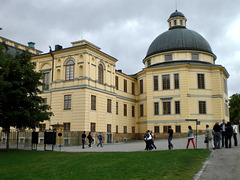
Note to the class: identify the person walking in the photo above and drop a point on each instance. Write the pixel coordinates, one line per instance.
(235, 132)
(90, 139)
(83, 138)
(190, 137)
(209, 137)
(99, 136)
(170, 136)
(152, 140)
(223, 132)
(217, 136)
(229, 133)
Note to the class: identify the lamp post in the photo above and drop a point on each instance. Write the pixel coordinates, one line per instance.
(197, 123)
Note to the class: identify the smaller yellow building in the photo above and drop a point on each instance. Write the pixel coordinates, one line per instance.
(180, 81)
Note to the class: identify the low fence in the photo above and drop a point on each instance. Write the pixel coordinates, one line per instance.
(21, 139)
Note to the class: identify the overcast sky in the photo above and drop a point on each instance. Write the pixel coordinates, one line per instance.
(124, 29)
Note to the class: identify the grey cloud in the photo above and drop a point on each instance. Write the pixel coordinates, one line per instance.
(122, 28)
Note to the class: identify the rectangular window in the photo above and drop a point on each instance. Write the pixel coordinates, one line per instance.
(165, 82)
(149, 62)
(225, 86)
(141, 110)
(168, 57)
(125, 85)
(109, 128)
(202, 107)
(133, 88)
(133, 130)
(167, 107)
(156, 129)
(46, 81)
(141, 86)
(165, 129)
(66, 126)
(124, 129)
(125, 109)
(67, 102)
(133, 111)
(93, 102)
(195, 56)
(178, 129)
(93, 127)
(181, 22)
(109, 105)
(176, 81)
(177, 107)
(44, 102)
(116, 107)
(201, 82)
(116, 128)
(156, 108)
(116, 82)
(42, 127)
(226, 110)
(155, 83)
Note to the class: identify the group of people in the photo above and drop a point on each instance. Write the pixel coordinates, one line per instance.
(90, 139)
(149, 139)
(224, 132)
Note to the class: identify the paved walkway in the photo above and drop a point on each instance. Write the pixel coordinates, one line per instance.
(223, 163)
(129, 146)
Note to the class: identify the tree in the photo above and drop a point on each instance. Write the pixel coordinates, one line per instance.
(234, 103)
(20, 103)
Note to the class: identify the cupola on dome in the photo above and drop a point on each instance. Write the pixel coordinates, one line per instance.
(178, 37)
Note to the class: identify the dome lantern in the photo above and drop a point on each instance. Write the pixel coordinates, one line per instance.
(177, 19)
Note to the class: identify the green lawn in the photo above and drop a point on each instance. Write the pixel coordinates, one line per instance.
(177, 164)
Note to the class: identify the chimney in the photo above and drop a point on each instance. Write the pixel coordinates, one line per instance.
(31, 45)
(58, 47)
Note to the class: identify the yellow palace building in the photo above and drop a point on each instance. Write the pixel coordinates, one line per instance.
(179, 81)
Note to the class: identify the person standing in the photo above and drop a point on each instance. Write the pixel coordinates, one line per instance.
(229, 133)
(235, 132)
(209, 137)
(239, 126)
(90, 139)
(223, 132)
(190, 137)
(147, 139)
(99, 136)
(83, 139)
(170, 136)
(217, 136)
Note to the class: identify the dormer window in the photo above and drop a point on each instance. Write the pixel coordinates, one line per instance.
(195, 56)
(168, 57)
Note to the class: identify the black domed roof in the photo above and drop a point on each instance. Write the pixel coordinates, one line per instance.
(179, 38)
(176, 13)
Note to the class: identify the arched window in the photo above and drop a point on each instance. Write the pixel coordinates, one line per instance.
(100, 73)
(69, 70)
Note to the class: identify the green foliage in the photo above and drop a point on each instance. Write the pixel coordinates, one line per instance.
(177, 164)
(20, 105)
(234, 103)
